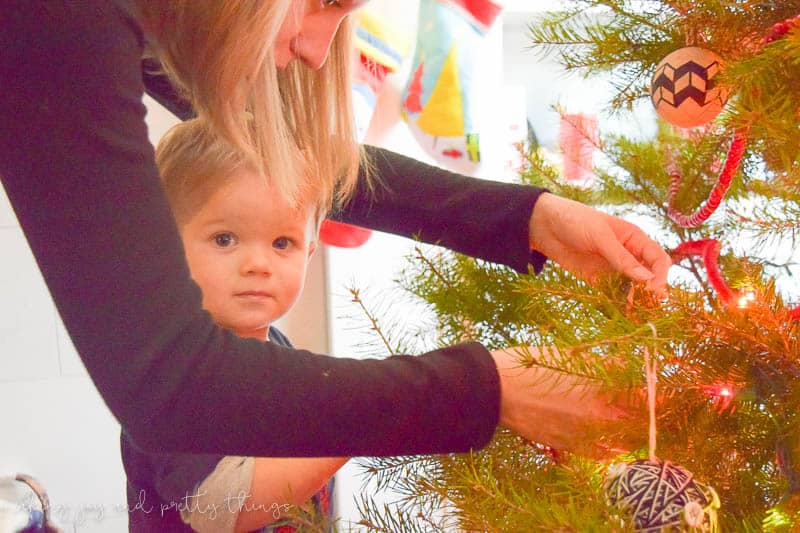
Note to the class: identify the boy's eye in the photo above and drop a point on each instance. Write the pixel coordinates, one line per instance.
(281, 243)
(224, 240)
(328, 3)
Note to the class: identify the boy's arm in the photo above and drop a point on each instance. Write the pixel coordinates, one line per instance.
(280, 484)
(246, 493)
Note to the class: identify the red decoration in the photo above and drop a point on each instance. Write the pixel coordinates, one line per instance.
(343, 235)
(735, 154)
(708, 250)
(412, 102)
(578, 139)
(780, 29)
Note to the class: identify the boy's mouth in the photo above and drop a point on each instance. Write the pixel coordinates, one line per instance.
(253, 294)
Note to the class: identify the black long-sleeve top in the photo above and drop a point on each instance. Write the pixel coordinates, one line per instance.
(79, 170)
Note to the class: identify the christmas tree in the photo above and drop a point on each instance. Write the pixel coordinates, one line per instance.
(723, 346)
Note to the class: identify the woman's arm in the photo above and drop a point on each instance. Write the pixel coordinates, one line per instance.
(565, 411)
(505, 223)
(480, 218)
(485, 219)
(79, 171)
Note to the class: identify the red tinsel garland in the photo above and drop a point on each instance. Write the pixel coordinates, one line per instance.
(735, 154)
(708, 249)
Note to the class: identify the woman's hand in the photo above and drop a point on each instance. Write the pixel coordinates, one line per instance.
(588, 242)
(561, 410)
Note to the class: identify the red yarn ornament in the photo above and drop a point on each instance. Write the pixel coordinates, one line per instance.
(708, 250)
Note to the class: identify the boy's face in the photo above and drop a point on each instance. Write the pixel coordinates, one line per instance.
(248, 251)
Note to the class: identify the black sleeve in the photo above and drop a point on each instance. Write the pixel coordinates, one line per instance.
(481, 218)
(174, 476)
(79, 171)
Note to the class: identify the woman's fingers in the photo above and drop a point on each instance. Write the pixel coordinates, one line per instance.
(630, 251)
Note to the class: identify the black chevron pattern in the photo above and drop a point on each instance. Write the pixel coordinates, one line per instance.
(664, 82)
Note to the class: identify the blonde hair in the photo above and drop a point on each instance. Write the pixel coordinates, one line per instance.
(195, 161)
(299, 120)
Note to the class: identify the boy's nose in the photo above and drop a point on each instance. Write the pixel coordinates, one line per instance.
(257, 262)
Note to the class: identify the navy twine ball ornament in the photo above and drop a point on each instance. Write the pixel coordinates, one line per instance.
(661, 496)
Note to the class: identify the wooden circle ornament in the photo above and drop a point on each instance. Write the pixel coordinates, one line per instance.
(683, 89)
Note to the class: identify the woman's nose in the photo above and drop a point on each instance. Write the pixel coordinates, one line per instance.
(312, 45)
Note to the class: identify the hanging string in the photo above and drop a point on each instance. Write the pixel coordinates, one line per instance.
(732, 161)
(651, 374)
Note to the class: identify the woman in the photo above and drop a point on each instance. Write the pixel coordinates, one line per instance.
(79, 171)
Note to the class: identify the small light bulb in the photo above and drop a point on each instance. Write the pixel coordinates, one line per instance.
(721, 394)
(745, 298)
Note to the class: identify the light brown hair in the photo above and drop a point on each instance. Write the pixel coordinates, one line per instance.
(195, 161)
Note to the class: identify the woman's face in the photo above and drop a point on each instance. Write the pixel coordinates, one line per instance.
(308, 29)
